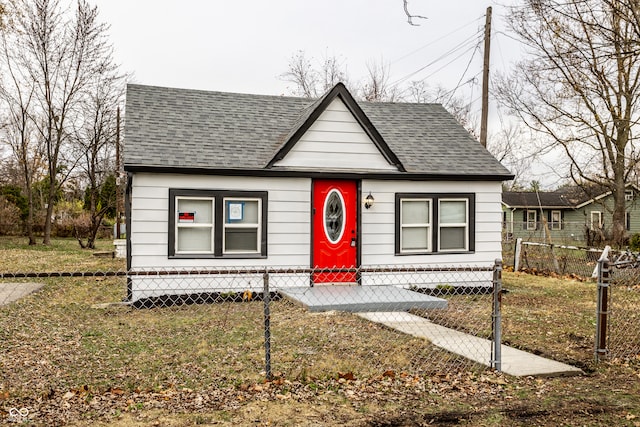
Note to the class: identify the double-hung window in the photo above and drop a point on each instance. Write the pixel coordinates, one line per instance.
(212, 223)
(434, 223)
(241, 225)
(194, 225)
(415, 225)
(531, 219)
(453, 225)
(556, 220)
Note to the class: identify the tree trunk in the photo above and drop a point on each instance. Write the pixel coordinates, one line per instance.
(618, 230)
(29, 224)
(50, 202)
(95, 226)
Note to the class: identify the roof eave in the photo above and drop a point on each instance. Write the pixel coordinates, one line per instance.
(275, 172)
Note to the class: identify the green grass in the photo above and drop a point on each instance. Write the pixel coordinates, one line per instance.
(550, 316)
(62, 255)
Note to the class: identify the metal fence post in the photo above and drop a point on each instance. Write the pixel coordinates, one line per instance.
(602, 308)
(496, 349)
(267, 325)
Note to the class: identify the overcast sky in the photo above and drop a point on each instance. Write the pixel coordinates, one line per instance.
(244, 46)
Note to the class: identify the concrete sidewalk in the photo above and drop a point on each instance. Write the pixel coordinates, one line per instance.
(10, 292)
(514, 362)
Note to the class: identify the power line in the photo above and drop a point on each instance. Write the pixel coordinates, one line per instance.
(464, 73)
(435, 41)
(465, 44)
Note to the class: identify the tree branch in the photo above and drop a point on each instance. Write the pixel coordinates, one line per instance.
(410, 16)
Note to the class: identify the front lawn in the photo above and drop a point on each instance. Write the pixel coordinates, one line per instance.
(70, 357)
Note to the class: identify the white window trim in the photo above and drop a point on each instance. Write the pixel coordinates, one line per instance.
(556, 225)
(186, 225)
(257, 226)
(324, 216)
(535, 219)
(218, 235)
(464, 225)
(628, 195)
(598, 214)
(427, 225)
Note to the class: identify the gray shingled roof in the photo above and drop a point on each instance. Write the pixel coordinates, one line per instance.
(181, 128)
(529, 199)
(564, 197)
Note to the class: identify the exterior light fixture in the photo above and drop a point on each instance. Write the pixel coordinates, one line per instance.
(368, 201)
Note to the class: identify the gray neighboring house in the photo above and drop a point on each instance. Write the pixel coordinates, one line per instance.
(572, 214)
(227, 180)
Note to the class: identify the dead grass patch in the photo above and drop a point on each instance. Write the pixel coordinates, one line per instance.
(70, 363)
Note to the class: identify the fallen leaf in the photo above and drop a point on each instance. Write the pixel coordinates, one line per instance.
(346, 376)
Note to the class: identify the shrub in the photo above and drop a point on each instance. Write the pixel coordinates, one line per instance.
(634, 242)
(9, 217)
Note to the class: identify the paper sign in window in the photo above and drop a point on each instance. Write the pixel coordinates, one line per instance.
(236, 211)
(186, 216)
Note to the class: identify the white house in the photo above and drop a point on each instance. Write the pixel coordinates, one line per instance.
(226, 180)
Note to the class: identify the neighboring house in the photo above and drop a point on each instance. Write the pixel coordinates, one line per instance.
(568, 215)
(226, 180)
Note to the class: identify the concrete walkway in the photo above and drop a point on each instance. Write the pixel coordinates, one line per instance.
(388, 305)
(10, 292)
(514, 362)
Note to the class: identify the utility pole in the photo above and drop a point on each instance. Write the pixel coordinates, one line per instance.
(118, 178)
(485, 80)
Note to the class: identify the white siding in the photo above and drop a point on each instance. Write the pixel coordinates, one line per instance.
(336, 141)
(378, 231)
(289, 224)
(289, 216)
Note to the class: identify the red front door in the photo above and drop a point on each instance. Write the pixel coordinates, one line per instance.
(334, 229)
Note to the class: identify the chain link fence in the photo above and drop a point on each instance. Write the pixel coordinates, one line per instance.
(618, 329)
(153, 329)
(617, 332)
(542, 258)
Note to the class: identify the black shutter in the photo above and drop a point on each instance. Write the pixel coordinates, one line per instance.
(628, 215)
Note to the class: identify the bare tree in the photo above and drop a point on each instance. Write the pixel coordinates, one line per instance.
(579, 88)
(410, 16)
(60, 51)
(95, 140)
(376, 87)
(302, 74)
(313, 80)
(507, 146)
(19, 130)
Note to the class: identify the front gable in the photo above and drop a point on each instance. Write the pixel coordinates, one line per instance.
(336, 135)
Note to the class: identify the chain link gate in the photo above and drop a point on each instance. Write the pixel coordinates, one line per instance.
(618, 313)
